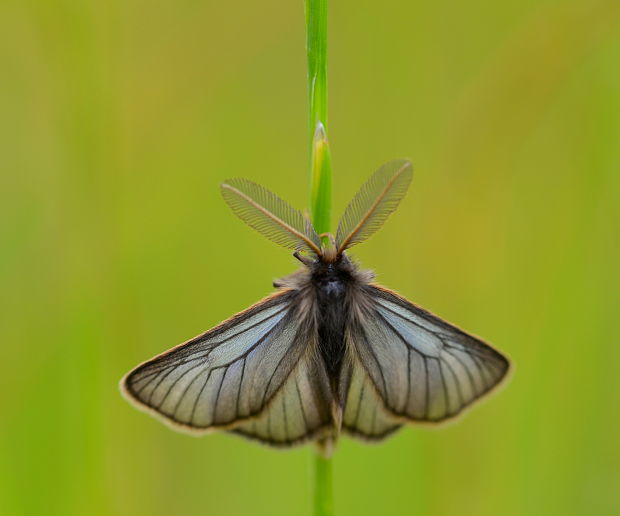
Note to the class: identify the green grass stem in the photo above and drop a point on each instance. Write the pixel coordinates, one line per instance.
(320, 161)
(323, 490)
(321, 181)
(320, 189)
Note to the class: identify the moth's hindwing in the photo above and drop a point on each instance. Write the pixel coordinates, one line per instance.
(365, 415)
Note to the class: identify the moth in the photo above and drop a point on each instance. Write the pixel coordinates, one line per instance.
(330, 352)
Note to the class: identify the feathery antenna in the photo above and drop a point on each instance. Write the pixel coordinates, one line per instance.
(270, 215)
(373, 203)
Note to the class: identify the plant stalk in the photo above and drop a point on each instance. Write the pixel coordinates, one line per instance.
(323, 490)
(320, 161)
(320, 190)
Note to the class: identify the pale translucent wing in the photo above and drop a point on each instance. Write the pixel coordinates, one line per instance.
(301, 410)
(423, 368)
(373, 203)
(365, 415)
(227, 374)
(269, 215)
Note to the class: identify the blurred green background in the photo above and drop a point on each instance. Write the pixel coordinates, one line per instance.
(118, 120)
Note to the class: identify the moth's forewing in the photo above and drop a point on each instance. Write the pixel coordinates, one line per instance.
(422, 368)
(229, 374)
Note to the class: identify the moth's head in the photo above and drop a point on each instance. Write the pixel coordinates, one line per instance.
(329, 249)
(330, 255)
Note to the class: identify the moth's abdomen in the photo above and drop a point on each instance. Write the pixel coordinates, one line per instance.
(330, 287)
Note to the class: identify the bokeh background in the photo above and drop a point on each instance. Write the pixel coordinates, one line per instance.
(118, 120)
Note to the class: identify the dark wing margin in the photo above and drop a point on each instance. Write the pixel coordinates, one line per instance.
(373, 203)
(423, 368)
(233, 373)
(270, 215)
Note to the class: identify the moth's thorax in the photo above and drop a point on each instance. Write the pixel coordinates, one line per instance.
(331, 279)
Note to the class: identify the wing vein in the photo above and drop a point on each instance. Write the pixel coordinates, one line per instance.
(217, 396)
(286, 432)
(170, 387)
(359, 404)
(427, 391)
(467, 371)
(195, 405)
(457, 383)
(407, 399)
(374, 356)
(239, 388)
(301, 405)
(444, 386)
